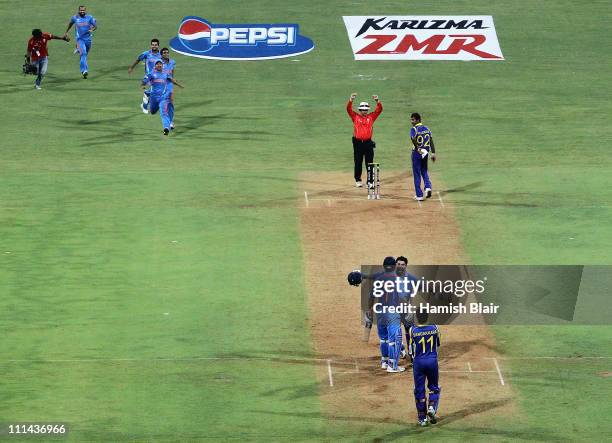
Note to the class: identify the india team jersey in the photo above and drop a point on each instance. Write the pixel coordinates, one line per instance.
(384, 299)
(82, 26)
(422, 134)
(424, 341)
(405, 290)
(159, 82)
(149, 58)
(169, 69)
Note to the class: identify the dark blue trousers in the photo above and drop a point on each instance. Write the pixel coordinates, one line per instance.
(419, 171)
(425, 370)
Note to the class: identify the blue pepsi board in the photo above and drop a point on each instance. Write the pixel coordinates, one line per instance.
(198, 37)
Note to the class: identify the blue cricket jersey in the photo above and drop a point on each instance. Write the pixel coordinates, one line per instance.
(392, 298)
(406, 291)
(423, 341)
(149, 58)
(422, 134)
(169, 69)
(82, 26)
(159, 82)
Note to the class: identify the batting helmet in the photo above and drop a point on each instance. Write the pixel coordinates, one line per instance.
(355, 278)
(389, 263)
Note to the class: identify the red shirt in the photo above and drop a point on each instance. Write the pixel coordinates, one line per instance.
(37, 47)
(363, 125)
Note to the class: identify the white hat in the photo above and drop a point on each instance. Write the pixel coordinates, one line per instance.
(364, 106)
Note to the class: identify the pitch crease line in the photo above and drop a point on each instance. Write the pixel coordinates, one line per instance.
(501, 378)
(289, 360)
(440, 198)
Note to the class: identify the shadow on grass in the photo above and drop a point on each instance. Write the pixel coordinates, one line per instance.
(121, 128)
(410, 428)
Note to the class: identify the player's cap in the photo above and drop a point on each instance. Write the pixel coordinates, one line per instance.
(389, 261)
(364, 106)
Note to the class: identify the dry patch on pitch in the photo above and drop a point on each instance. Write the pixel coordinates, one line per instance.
(341, 229)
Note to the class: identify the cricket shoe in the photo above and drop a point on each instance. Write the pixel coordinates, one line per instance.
(427, 192)
(85, 74)
(384, 364)
(396, 370)
(172, 126)
(37, 87)
(166, 131)
(403, 354)
(419, 199)
(423, 423)
(431, 413)
(358, 184)
(144, 110)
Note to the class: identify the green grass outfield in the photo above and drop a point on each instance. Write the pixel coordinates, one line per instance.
(119, 245)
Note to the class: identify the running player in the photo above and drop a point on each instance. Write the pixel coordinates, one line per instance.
(159, 98)
(149, 58)
(169, 68)
(84, 27)
(423, 147)
(37, 53)
(424, 341)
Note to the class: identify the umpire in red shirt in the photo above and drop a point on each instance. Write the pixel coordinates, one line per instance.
(363, 145)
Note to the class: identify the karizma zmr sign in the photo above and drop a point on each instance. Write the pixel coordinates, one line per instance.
(423, 37)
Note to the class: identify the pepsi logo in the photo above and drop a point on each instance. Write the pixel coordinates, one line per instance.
(195, 34)
(198, 37)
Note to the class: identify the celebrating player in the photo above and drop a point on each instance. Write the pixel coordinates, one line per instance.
(423, 147)
(401, 270)
(356, 277)
(85, 25)
(159, 98)
(424, 341)
(388, 323)
(169, 68)
(37, 53)
(149, 58)
(363, 145)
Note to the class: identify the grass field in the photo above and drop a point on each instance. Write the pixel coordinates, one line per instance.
(153, 288)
